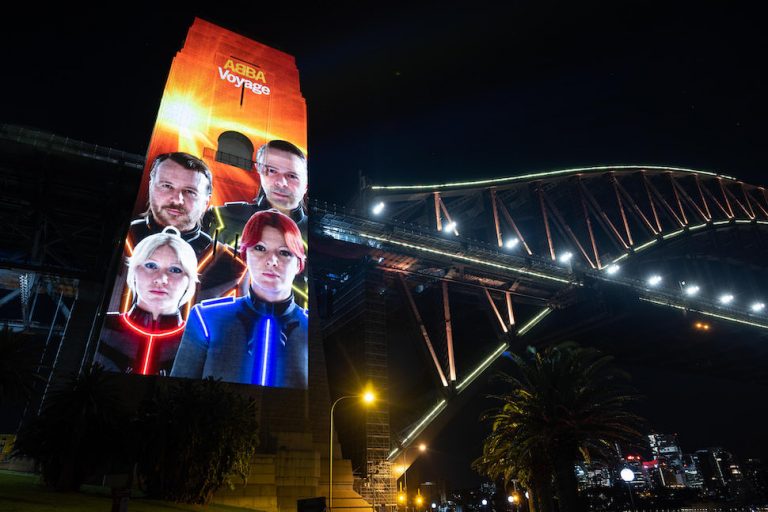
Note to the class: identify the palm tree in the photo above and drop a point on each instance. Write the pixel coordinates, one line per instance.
(564, 403)
(506, 458)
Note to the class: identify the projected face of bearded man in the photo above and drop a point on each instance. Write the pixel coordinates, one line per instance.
(178, 195)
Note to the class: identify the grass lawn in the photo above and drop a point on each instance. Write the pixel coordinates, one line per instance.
(22, 492)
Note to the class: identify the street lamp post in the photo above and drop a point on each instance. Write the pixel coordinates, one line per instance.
(368, 398)
(422, 448)
(514, 498)
(628, 475)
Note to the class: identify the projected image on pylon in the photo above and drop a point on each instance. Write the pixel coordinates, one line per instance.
(213, 281)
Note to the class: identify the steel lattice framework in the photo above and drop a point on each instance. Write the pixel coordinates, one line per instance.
(603, 214)
(506, 239)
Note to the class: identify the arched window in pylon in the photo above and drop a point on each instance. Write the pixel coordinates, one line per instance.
(235, 149)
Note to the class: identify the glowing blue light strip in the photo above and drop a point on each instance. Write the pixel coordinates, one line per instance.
(721, 222)
(266, 354)
(535, 320)
(544, 174)
(694, 228)
(468, 258)
(200, 317)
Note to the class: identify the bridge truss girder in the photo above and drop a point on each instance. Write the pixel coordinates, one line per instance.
(599, 213)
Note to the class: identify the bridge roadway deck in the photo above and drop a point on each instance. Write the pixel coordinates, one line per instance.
(540, 277)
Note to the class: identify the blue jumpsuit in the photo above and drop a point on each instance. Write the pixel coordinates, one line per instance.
(245, 340)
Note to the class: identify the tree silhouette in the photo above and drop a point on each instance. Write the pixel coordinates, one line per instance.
(192, 436)
(78, 430)
(18, 366)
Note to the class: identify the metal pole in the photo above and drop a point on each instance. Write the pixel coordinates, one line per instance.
(496, 216)
(405, 476)
(631, 499)
(448, 334)
(373, 488)
(330, 454)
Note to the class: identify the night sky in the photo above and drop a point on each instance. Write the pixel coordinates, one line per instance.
(438, 91)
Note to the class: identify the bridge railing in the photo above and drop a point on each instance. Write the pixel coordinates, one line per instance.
(678, 300)
(347, 225)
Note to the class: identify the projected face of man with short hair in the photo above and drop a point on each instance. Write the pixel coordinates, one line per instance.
(283, 178)
(178, 196)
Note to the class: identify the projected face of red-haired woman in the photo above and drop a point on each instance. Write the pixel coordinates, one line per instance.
(274, 252)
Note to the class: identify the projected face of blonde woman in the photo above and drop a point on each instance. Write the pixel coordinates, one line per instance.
(161, 282)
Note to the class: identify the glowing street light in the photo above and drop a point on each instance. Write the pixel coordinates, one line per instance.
(511, 243)
(757, 307)
(612, 269)
(422, 448)
(691, 290)
(726, 298)
(368, 398)
(484, 502)
(566, 257)
(628, 475)
(378, 208)
(654, 280)
(451, 226)
(701, 326)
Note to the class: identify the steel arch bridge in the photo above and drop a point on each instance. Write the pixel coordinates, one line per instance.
(525, 246)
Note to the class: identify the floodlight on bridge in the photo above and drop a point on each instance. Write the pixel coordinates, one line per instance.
(691, 290)
(512, 243)
(451, 226)
(566, 257)
(612, 269)
(726, 298)
(757, 307)
(654, 280)
(378, 208)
